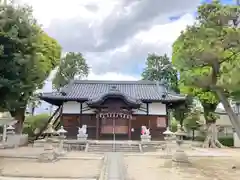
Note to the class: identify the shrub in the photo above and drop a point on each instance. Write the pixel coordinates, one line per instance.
(174, 124)
(33, 122)
(226, 141)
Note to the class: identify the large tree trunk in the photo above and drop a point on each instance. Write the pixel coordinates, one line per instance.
(211, 140)
(232, 116)
(19, 115)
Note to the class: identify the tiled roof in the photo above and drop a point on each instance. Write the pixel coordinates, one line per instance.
(114, 92)
(90, 90)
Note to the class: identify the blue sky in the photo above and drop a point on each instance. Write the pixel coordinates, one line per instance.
(227, 2)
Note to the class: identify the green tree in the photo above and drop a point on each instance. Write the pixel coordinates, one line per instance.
(28, 56)
(207, 55)
(34, 123)
(33, 103)
(72, 65)
(160, 68)
(192, 120)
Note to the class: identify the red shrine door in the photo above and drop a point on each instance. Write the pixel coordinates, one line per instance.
(114, 126)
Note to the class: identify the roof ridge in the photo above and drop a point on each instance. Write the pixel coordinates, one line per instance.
(144, 82)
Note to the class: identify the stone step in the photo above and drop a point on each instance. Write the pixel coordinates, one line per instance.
(113, 148)
(150, 148)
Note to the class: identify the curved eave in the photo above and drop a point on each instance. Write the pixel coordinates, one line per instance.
(98, 101)
(173, 100)
(53, 101)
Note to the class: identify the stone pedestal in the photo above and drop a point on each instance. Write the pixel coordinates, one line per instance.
(61, 151)
(49, 154)
(82, 137)
(62, 136)
(145, 138)
(180, 157)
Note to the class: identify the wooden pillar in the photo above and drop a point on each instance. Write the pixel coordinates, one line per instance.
(147, 108)
(80, 116)
(130, 129)
(167, 115)
(97, 126)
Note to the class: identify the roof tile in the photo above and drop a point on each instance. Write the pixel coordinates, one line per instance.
(88, 90)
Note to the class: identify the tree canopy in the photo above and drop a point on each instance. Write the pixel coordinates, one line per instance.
(207, 54)
(160, 68)
(73, 65)
(28, 56)
(192, 119)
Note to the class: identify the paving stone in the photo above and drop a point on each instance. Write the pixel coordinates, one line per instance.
(115, 166)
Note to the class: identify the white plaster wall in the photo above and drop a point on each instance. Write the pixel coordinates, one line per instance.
(157, 109)
(154, 109)
(74, 108)
(71, 107)
(236, 140)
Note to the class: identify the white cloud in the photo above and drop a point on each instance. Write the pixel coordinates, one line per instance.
(47, 11)
(115, 47)
(112, 76)
(165, 33)
(121, 61)
(110, 64)
(132, 54)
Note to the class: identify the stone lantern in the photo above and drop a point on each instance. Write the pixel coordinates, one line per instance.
(49, 133)
(168, 136)
(61, 132)
(49, 153)
(180, 156)
(6, 121)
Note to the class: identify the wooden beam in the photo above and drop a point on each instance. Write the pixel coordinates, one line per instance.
(81, 108)
(147, 108)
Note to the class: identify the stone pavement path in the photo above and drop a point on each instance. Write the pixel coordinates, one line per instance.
(115, 166)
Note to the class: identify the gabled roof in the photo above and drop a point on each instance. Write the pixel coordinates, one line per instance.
(87, 90)
(113, 92)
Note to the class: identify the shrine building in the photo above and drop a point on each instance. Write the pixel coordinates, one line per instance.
(116, 108)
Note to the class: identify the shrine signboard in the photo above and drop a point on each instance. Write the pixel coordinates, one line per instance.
(115, 115)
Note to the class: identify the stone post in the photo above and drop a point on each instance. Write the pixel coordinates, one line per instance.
(4, 136)
(180, 156)
(168, 139)
(49, 154)
(62, 136)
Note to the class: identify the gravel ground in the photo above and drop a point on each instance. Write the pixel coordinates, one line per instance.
(62, 168)
(201, 168)
(224, 165)
(35, 151)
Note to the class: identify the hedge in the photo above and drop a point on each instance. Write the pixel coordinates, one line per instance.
(226, 141)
